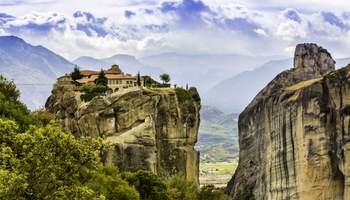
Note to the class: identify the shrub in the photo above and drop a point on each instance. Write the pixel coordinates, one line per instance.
(182, 94)
(149, 185)
(11, 107)
(47, 163)
(149, 82)
(210, 193)
(91, 91)
(195, 95)
(43, 117)
(181, 189)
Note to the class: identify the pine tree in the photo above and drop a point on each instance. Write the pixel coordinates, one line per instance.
(76, 73)
(101, 79)
(138, 79)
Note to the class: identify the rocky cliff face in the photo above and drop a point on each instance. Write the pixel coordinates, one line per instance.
(295, 135)
(148, 129)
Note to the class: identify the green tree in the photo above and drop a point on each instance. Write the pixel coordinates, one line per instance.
(112, 186)
(47, 163)
(181, 189)
(138, 79)
(91, 91)
(11, 107)
(51, 159)
(101, 79)
(76, 73)
(165, 78)
(149, 185)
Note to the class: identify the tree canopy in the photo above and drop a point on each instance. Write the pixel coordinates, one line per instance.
(102, 79)
(165, 78)
(76, 73)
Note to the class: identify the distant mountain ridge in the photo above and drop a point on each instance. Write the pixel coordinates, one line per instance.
(233, 94)
(218, 135)
(33, 68)
(203, 71)
(128, 63)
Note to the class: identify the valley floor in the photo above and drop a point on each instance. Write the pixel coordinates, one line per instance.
(217, 173)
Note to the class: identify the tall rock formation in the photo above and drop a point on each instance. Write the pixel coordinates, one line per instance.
(148, 129)
(294, 136)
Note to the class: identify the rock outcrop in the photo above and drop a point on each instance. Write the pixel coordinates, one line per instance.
(294, 136)
(151, 129)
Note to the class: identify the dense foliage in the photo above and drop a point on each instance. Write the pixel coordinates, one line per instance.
(90, 91)
(76, 73)
(150, 186)
(149, 82)
(11, 107)
(40, 161)
(165, 78)
(102, 79)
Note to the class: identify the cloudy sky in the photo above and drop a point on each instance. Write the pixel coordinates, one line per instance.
(102, 28)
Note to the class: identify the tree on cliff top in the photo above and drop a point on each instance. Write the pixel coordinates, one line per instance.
(165, 78)
(102, 79)
(76, 73)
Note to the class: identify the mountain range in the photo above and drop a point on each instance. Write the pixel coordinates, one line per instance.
(218, 135)
(35, 68)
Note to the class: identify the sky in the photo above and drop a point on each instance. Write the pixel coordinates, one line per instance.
(102, 28)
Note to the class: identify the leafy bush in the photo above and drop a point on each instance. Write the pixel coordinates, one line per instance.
(43, 117)
(46, 163)
(91, 91)
(182, 94)
(149, 82)
(195, 95)
(11, 107)
(181, 189)
(210, 193)
(149, 185)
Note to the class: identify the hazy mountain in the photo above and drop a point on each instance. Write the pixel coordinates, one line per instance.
(218, 135)
(128, 63)
(235, 93)
(33, 68)
(203, 71)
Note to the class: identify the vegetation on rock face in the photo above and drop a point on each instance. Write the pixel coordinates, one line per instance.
(186, 98)
(90, 91)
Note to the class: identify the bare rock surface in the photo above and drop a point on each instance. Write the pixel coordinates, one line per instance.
(148, 129)
(294, 136)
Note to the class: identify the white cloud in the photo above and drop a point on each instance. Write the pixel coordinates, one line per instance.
(245, 27)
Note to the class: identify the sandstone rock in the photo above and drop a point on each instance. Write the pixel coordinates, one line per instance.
(311, 60)
(147, 129)
(294, 136)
